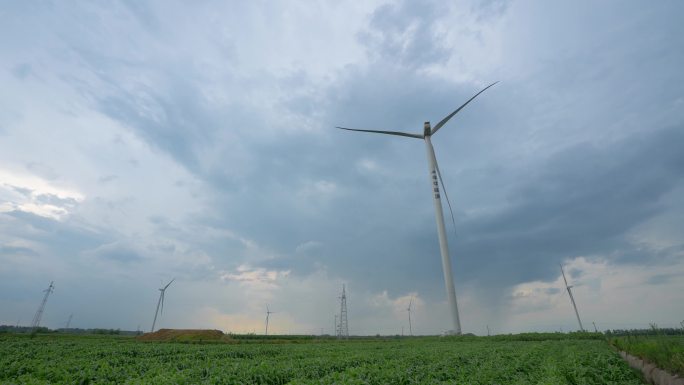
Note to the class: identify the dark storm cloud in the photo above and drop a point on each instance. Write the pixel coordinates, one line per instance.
(279, 206)
(64, 243)
(65, 239)
(377, 225)
(582, 201)
(178, 124)
(367, 229)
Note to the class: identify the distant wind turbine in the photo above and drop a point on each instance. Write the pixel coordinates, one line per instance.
(572, 299)
(409, 314)
(160, 302)
(268, 313)
(435, 179)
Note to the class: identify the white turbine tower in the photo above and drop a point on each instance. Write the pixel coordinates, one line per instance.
(268, 313)
(435, 178)
(160, 302)
(409, 314)
(572, 299)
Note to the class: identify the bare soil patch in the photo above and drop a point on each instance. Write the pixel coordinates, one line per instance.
(185, 335)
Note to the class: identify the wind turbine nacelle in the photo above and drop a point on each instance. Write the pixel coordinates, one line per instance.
(426, 129)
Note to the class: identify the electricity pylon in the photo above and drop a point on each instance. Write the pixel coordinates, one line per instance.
(343, 326)
(39, 314)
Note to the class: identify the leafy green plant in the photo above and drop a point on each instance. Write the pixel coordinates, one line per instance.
(108, 359)
(665, 351)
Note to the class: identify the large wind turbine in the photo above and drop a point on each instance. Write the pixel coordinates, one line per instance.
(409, 313)
(160, 302)
(435, 179)
(572, 299)
(268, 313)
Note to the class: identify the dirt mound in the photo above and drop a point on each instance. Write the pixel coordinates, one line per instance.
(184, 335)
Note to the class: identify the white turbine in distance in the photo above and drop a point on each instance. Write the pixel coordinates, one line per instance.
(435, 179)
(409, 314)
(268, 313)
(160, 302)
(572, 299)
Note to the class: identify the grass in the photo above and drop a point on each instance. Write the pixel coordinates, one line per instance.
(666, 352)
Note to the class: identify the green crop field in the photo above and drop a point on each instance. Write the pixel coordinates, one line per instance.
(432, 360)
(666, 352)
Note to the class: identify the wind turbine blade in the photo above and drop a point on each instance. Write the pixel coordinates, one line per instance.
(417, 136)
(439, 174)
(563, 272)
(162, 303)
(167, 285)
(443, 122)
(410, 303)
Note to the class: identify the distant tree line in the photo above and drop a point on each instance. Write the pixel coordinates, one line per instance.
(43, 330)
(652, 331)
(22, 329)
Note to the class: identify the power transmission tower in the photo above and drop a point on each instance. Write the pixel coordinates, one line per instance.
(343, 327)
(39, 314)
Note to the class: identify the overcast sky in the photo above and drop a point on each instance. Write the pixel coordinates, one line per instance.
(146, 140)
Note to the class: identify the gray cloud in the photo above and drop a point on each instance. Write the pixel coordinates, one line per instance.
(56, 200)
(116, 252)
(578, 151)
(63, 238)
(107, 178)
(17, 250)
(661, 279)
(22, 71)
(405, 33)
(582, 201)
